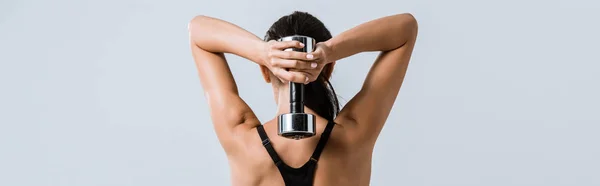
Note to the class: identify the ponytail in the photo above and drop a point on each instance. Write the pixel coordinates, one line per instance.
(320, 97)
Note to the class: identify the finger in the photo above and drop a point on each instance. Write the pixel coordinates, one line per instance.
(282, 74)
(281, 45)
(309, 76)
(293, 76)
(315, 55)
(293, 64)
(299, 77)
(313, 74)
(292, 55)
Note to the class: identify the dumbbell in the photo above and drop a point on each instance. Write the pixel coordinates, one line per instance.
(297, 124)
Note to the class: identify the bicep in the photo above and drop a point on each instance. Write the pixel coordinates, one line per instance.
(228, 111)
(370, 107)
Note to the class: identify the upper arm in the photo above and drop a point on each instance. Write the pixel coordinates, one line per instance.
(229, 113)
(369, 108)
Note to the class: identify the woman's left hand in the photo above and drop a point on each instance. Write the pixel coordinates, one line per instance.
(319, 58)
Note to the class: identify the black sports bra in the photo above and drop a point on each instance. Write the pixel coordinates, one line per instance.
(304, 175)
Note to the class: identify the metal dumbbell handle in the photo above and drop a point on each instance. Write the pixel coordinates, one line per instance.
(296, 97)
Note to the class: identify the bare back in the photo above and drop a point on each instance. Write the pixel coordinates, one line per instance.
(340, 163)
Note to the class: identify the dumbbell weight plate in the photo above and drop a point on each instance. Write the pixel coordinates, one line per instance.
(296, 125)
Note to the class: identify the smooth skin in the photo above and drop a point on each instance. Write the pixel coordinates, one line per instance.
(346, 159)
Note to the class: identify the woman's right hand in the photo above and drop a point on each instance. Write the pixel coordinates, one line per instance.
(298, 67)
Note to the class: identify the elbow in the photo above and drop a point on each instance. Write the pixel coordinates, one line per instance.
(195, 28)
(410, 18)
(407, 28)
(410, 24)
(195, 23)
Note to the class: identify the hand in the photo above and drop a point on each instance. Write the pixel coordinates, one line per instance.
(298, 67)
(322, 54)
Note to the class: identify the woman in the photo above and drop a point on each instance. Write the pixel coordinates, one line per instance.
(340, 153)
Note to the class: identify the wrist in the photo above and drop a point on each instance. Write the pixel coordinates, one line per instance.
(331, 54)
(259, 54)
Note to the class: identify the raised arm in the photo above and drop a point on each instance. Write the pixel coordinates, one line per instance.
(395, 37)
(210, 38)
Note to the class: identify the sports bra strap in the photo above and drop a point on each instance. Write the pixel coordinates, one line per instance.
(267, 143)
(323, 141)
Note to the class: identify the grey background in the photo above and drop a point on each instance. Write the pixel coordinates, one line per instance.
(106, 93)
